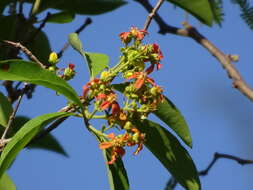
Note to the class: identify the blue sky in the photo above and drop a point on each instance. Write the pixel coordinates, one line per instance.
(219, 117)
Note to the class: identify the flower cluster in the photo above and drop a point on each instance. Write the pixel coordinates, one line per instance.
(142, 94)
(68, 73)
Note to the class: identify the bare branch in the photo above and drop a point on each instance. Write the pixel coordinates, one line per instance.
(13, 114)
(152, 14)
(191, 32)
(25, 50)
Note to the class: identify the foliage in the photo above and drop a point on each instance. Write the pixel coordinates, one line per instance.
(140, 95)
(247, 11)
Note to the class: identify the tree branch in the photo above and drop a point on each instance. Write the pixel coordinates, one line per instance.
(25, 50)
(152, 14)
(191, 32)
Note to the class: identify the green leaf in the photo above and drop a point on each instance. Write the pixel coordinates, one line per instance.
(170, 153)
(23, 137)
(39, 46)
(169, 114)
(6, 183)
(75, 42)
(26, 71)
(49, 142)
(116, 172)
(217, 10)
(61, 17)
(198, 8)
(97, 62)
(90, 7)
(5, 110)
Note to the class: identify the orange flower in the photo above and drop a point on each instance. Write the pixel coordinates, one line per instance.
(109, 101)
(141, 78)
(157, 56)
(138, 34)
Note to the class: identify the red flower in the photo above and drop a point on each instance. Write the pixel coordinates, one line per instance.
(109, 101)
(141, 78)
(138, 34)
(156, 58)
(125, 37)
(71, 66)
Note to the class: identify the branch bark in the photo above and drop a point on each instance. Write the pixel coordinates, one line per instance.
(191, 32)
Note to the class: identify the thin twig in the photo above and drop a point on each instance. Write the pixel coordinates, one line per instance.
(217, 156)
(152, 14)
(35, 34)
(172, 182)
(13, 114)
(25, 50)
(191, 32)
(87, 22)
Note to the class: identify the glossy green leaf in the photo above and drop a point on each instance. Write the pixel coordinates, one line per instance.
(97, 62)
(116, 172)
(61, 17)
(19, 70)
(170, 153)
(23, 137)
(5, 110)
(76, 43)
(169, 114)
(6, 183)
(90, 7)
(39, 46)
(49, 142)
(198, 8)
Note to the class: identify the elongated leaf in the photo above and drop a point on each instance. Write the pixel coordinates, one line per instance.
(170, 115)
(49, 142)
(23, 137)
(97, 62)
(75, 42)
(171, 153)
(90, 7)
(6, 183)
(61, 17)
(116, 172)
(26, 71)
(198, 8)
(5, 110)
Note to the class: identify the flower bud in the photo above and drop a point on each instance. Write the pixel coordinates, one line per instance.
(128, 125)
(53, 58)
